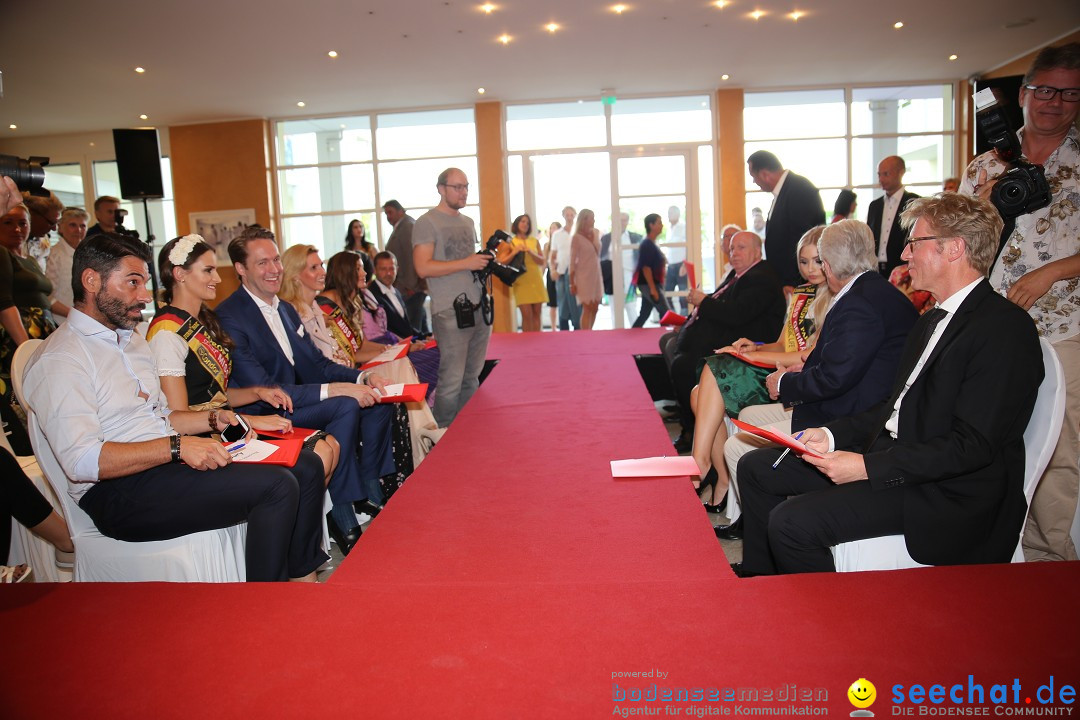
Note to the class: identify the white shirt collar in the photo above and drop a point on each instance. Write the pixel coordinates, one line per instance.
(262, 304)
(952, 303)
(779, 184)
(88, 326)
(847, 286)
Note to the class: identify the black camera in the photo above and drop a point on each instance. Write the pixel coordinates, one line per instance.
(29, 174)
(507, 273)
(1023, 188)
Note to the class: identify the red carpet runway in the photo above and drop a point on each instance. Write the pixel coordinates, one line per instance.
(512, 577)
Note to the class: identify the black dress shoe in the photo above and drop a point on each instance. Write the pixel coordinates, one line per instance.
(737, 568)
(729, 532)
(344, 540)
(684, 444)
(366, 506)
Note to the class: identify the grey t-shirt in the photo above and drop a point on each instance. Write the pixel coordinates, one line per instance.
(454, 237)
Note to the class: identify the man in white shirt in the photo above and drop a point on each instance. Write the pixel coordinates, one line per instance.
(884, 214)
(941, 460)
(675, 249)
(138, 468)
(58, 265)
(569, 310)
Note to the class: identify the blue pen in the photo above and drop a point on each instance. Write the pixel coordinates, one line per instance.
(235, 448)
(786, 451)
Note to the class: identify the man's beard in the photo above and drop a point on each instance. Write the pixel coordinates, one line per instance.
(116, 312)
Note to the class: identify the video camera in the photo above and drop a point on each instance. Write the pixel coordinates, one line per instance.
(1023, 188)
(29, 174)
(507, 273)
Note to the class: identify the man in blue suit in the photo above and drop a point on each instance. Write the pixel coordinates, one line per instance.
(386, 294)
(272, 349)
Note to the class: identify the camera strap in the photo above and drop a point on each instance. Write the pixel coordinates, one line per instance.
(1006, 232)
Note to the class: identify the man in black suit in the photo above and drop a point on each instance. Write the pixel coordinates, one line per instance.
(884, 214)
(941, 460)
(412, 286)
(749, 303)
(382, 288)
(796, 208)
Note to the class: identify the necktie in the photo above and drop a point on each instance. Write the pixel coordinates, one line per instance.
(933, 318)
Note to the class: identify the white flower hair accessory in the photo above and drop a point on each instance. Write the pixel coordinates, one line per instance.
(179, 254)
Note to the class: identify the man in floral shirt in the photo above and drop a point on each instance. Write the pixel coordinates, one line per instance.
(1039, 270)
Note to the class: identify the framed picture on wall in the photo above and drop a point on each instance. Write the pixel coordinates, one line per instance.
(219, 227)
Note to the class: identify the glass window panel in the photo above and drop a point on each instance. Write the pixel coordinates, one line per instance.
(581, 180)
(824, 162)
(162, 212)
(66, 182)
(911, 109)
(326, 232)
(324, 140)
(435, 133)
(412, 182)
(706, 200)
(515, 181)
(652, 175)
(863, 196)
(555, 125)
(928, 158)
(322, 189)
(760, 202)
(661, 120)
(793, 114)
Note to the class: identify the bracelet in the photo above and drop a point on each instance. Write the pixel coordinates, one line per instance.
(174, 447)
(362, 378)
(212, 418)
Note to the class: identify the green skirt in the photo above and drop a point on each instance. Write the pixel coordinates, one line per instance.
(740, 383)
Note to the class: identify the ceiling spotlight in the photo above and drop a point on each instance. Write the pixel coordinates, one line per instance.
(952, 57)
(757, 14)
(618, 9)
(725, 76)
(13, 126)
(796, 15)
(300, 104)
(898, 25)
(142, 117)
(332, 53)
(488, 8)
(342, 126)
(551, 27)
(505, 39)
(721, 4)
(481, 90)
(140, 70)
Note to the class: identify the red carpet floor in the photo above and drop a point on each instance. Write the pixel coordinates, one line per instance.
(512, 577)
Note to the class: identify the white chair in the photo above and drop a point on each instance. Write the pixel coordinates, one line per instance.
(209, 556)
(1040, 438)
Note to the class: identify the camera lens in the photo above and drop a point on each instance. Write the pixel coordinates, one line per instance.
(29, 175)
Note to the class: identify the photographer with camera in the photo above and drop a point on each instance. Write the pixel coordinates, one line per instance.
(1039, 263)
(110, 217)
(444, 253)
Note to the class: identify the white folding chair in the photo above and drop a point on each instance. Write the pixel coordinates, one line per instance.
(1040, 437)
(209, 556)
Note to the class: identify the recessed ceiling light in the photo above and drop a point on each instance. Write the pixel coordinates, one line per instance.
(140, 70)
(952, 57)
(898, 25)
(332, 53)
(721, 4)
(342, 126)
(795, 15)
(300, 104)
(488, 8)
(725, 76)
(142, 117)
(13, 126)
(619, 9)
(504, 39)
(551, 27)
(481, 90)
(757, 14)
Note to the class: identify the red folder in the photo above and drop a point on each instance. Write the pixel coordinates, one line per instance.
(690, 275)
(297, 433)
(412, 393)
(400, 350)
(787, 441)
(673, 318)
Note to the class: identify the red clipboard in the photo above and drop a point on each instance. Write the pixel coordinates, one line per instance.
(673, 319)
(296, 433)
(287, 455)
(412, 393)
(756, 363)
(787, 441)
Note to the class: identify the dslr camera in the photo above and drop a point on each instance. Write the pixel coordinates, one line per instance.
(29, 174)
(507, 273)
(1023, 188)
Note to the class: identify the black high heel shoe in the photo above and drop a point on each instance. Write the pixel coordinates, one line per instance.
(711, 479)
(344, 540)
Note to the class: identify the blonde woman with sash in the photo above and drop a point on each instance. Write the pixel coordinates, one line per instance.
(192, 352)
(303, 286)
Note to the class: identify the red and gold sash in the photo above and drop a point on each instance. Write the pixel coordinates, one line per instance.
(344, 334)
(211, 356)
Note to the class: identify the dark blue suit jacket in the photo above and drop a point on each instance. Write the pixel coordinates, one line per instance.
(258, 359)
(854, 362)
(395, 322)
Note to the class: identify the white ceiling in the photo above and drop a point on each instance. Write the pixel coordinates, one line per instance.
(68, 66)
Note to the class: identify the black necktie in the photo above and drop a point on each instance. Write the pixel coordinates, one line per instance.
(933, 317)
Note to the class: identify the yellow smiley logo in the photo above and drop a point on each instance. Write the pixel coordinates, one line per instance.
(862, 693)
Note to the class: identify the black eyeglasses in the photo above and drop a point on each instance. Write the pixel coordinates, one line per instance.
(1046, 92)
(52, 223)
(460, 188)
(912, 240)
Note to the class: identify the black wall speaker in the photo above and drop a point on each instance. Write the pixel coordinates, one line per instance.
(138, 162)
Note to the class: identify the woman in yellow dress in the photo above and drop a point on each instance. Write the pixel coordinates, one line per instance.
(530, 293)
